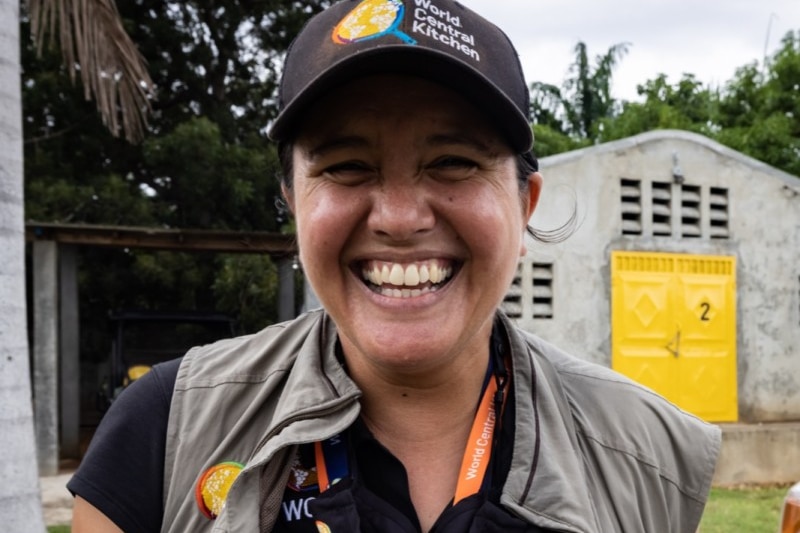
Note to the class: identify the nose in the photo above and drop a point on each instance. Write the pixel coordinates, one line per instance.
(400, 210)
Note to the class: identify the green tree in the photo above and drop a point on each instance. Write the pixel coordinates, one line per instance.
(755, 113)
(687, 105)
(550, 141)
(205, 161)
(94, 45)
(577, 108)
(215, 61)
(760, 109)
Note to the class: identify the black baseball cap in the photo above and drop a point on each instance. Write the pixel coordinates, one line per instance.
(439, 40)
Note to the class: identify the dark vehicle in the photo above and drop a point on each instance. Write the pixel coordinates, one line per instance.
(145, 338)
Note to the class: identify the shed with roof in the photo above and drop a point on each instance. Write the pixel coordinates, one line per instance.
(683, 272)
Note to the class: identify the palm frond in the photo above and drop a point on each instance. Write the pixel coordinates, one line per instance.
(94, 43)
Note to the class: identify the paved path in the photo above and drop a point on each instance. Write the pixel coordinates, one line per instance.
(56, 499)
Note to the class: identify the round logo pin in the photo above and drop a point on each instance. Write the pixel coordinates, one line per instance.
(213, 487)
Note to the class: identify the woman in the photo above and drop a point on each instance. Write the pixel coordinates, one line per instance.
(408, 403)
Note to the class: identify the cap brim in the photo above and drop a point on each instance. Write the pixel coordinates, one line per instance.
(413, 61)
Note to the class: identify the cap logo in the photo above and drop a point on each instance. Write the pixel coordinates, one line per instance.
(371, 19)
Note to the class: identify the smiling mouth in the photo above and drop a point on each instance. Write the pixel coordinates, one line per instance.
(398, 280)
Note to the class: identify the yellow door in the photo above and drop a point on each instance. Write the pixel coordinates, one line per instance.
(674, 328)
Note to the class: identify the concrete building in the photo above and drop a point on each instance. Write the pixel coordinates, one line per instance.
(683, 272)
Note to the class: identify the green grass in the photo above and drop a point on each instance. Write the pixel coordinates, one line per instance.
(747, 510)
(750, 510)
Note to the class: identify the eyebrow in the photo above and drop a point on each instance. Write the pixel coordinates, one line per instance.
(438, 139)
(336, 143)
(445, 139)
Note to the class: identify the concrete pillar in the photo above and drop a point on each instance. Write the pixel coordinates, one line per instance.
(45, 354)
(286, 289)
(69, 382)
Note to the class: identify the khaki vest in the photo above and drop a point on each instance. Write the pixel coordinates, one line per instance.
(593, 451)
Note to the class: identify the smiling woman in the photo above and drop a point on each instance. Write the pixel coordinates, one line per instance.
(401, 171)
(409, 402)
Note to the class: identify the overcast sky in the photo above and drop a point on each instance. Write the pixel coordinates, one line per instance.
(707, 38)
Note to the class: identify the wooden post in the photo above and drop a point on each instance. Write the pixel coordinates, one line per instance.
(70, 375)
(45, 354)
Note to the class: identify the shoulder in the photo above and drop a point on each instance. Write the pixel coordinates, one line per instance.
(601, 399)
(628, 434)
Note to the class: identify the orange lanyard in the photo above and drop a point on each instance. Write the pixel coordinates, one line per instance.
(478, 452)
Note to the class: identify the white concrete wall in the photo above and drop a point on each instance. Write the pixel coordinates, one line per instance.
(764, 224)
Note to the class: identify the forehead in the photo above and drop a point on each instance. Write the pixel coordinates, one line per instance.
(391, 100)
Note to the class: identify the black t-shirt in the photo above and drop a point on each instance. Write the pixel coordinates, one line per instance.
(122, 473)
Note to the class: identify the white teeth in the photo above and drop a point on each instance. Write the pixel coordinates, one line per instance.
(412, 276)
(435, 274)
(424, 275)
(406, 293)
(397, 276)
(407, 282)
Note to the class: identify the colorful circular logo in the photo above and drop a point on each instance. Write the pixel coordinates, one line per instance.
(213, 487)
(371, 19)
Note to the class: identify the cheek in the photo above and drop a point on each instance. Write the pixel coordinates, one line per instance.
(325, 222)
(495, 216)
(313, 225)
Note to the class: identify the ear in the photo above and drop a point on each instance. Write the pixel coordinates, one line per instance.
(288, 196)
(534, 188)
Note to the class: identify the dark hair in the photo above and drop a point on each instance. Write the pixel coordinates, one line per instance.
(526, 164)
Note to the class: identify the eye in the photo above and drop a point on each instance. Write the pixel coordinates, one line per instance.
(451, 161)
(349, 172)
(452, 167)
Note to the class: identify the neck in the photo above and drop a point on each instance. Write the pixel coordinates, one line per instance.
(409, 408)
(425, 421)
(405, 414)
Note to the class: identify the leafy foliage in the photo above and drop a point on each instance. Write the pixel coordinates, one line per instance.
(205, 162)
(760, 111)
(95, 45)
(686, 105)
(757, 112)
(584, 98)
